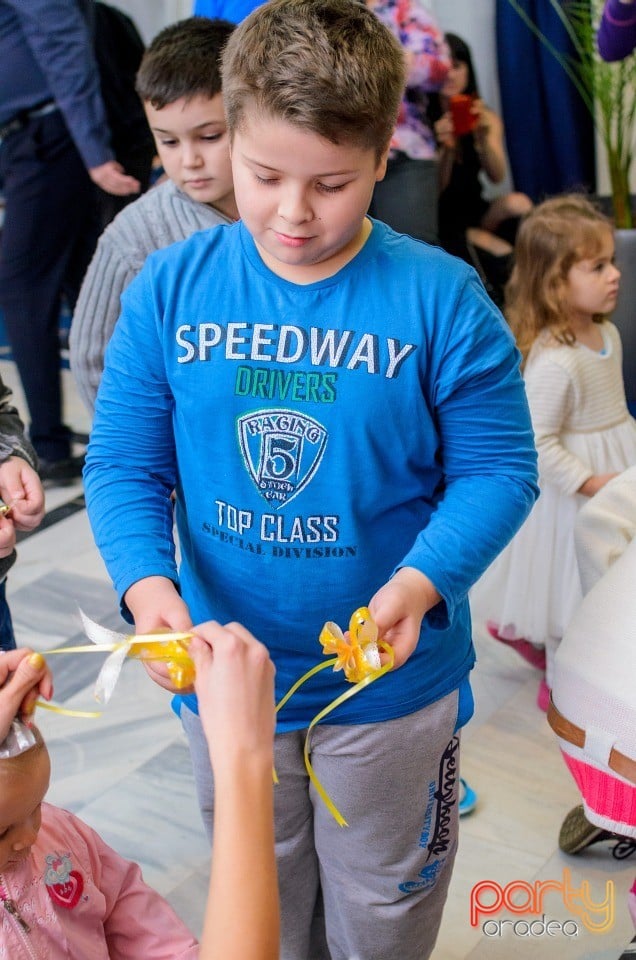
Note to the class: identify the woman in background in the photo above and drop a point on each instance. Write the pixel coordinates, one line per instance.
(470, 226)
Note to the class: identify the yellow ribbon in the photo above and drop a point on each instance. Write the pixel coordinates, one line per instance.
(53, 707)
(134, 640)
(356, 657)
(170, 648)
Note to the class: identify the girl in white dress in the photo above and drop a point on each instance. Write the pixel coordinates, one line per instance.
(563, 285)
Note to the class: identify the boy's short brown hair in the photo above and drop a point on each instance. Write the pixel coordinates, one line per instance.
(329, 66)
(183, 60)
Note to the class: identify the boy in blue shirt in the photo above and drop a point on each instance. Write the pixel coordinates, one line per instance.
(340, 411)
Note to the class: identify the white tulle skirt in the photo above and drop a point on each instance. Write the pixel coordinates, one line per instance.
(533, 588)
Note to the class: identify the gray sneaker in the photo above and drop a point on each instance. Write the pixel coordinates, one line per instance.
(577, 834)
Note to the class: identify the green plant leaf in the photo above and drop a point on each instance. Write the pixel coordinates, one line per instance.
(608, 90)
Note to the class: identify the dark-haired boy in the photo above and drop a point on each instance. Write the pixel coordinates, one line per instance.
(340, 410)
(179, 82)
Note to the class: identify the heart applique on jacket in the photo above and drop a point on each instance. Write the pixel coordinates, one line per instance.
(64, 885)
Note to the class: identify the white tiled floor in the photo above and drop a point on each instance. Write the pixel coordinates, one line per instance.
(128, 773)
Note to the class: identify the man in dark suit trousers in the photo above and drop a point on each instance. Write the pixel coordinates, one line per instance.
(54, 149)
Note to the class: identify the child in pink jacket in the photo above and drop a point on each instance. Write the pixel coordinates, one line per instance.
(64, 893)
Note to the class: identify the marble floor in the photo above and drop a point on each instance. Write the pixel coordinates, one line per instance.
(127, 773)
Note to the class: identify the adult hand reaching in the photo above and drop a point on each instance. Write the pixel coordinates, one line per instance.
(24, 676)
(235, 686)
(112, 178)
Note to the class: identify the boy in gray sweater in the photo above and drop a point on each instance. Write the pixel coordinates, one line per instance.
(179, 82)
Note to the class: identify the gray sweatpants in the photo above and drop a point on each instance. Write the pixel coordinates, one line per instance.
(384, 878)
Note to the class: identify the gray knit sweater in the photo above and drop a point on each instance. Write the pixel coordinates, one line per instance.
(160, 217)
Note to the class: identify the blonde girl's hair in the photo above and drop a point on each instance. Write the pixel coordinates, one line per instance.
(551, 239)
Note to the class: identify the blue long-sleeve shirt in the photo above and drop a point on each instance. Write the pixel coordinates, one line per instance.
(46, 53)
(232, 10)
(318, 437)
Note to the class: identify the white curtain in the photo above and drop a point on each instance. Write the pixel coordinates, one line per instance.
(151, 15)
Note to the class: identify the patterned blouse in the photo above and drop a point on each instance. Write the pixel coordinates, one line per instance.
(423, 43)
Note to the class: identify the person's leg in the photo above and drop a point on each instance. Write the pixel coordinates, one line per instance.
(47, 193)
(302, 913)
(385, 877)
(7, 636)
(530, 652)
(302, 919)
(201, 767)
(511, 206)
(488, 242)
(407, 197)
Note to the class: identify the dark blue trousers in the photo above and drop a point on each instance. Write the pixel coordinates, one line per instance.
(49, 235)
(7, 638)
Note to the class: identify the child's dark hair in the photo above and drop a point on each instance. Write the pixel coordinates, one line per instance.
(327, 66)
(183, 60)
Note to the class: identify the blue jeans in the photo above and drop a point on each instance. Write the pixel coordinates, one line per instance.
(7, 637)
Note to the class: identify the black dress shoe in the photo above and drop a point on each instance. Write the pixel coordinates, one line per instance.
(61, 473)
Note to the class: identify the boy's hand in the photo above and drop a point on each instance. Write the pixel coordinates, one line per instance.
(399, 607)
(7, 537)
(24, 676)
(235, 686)
(22, 490)
(156, 605)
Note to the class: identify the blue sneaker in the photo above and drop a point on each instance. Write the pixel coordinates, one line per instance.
(467, 798)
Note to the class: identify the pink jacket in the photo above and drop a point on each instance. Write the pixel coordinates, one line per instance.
(74, 898)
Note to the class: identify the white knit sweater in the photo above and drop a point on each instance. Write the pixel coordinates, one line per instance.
(573, 390)
(160, 217)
